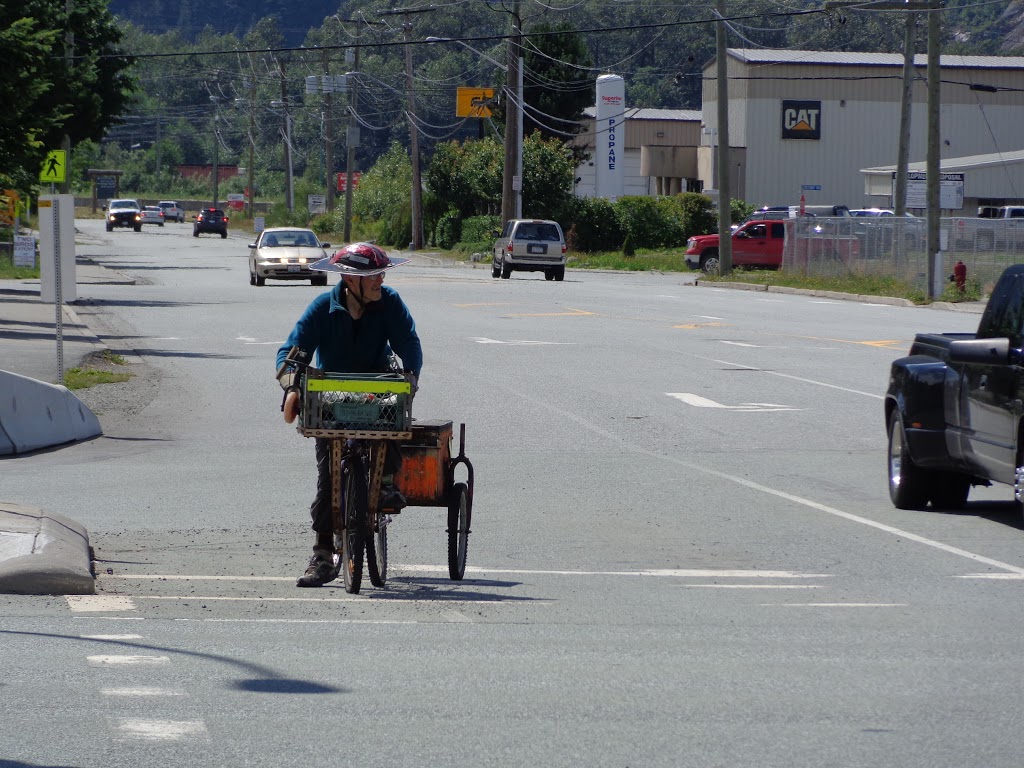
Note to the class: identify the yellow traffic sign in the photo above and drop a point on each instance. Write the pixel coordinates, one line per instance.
(54, 170)
(473, 102)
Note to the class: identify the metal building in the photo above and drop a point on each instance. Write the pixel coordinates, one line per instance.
(816, 119)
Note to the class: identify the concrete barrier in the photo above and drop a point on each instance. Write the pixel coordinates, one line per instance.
(43, 553)
(34, 415)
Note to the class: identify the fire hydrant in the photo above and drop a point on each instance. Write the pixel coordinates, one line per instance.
(959, 276)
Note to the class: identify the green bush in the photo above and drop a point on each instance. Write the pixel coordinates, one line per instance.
(478, 229)
(448, 230)
(597, 226)
(641, 217)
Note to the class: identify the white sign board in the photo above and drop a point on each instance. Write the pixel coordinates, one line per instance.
(951, 190)
(317, 203)
(259, 223)
(57, 282)
(610, 137)
(24, 251)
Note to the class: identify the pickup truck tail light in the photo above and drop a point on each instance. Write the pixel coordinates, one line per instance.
(510, 246)
(563, 247)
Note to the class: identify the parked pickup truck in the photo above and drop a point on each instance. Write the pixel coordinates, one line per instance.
(760, 243)
(995, 227)
(954, 409)
(754, 244)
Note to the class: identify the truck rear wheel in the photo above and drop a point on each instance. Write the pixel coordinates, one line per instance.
(908, 483)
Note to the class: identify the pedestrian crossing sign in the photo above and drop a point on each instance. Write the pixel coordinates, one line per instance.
(54, 170)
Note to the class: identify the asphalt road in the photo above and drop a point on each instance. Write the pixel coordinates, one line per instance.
(683, 552)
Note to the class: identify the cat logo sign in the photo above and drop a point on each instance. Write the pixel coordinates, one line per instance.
(54, 170)
(801, 119)
(473, 102)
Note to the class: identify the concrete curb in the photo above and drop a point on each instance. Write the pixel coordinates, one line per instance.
(34, 415)
(43, 553)
(975, 307)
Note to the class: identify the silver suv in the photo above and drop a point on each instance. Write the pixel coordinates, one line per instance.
(529, 245)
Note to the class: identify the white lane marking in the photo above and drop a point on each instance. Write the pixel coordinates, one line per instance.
(823, 301)
(112, 637)
(744, 344)
(727, 573)
(518, 342)
(162, 730)
(708, 317)
(359, 599)
(703, 402)
(632, 448)
(753, 586)
(835, 605)
(458, 617)
(1000, 576)
(85, 603)
(794, 378)
(245, 338)
(302, 621)
(103, 661)
(142, 692)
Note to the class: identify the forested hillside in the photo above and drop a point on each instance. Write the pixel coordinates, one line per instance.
(984, 26)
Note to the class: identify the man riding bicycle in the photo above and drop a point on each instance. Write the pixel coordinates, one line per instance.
(354, 328)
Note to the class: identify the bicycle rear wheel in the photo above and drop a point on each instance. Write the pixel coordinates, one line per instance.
(354, 535)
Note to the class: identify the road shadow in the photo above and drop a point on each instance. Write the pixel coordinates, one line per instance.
(1003, 512)
(261, 679)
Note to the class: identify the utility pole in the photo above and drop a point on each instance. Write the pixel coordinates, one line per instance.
(932, 162)
(329, 138)
(351, 141)
(288, 181)
(899, 202)
(513, 148)
(724, 194)
(252, 147)
(417, 189)
(216, 147)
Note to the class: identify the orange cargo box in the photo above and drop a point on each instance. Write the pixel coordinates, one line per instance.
(425, 463)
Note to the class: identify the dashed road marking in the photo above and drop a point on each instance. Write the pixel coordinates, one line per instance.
(835, 605)
(87, 603)
(145, 691)
(162, 730)
(127, 660)
(752, 586)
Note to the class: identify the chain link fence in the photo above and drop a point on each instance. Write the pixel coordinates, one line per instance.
(896, 247)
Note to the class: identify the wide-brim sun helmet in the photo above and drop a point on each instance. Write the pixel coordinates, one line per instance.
(361, 259)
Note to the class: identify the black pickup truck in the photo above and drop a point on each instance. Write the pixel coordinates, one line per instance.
(954, 408)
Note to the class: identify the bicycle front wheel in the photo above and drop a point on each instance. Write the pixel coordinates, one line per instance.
(353, 537)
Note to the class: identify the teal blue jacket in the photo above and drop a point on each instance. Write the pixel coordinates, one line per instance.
(362, 346)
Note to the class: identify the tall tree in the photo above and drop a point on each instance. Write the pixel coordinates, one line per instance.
(24, 49)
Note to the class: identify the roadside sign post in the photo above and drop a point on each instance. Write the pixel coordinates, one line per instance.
(57, 282)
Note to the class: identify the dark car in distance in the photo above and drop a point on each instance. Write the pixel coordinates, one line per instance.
(210, 220)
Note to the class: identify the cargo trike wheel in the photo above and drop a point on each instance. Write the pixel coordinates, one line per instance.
(377, 551)
(354, 536)
(908, 486)
(458, 530)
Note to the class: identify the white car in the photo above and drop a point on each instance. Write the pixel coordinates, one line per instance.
(529, 245)
(285, 253)
(172, 211)
(151, 214)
